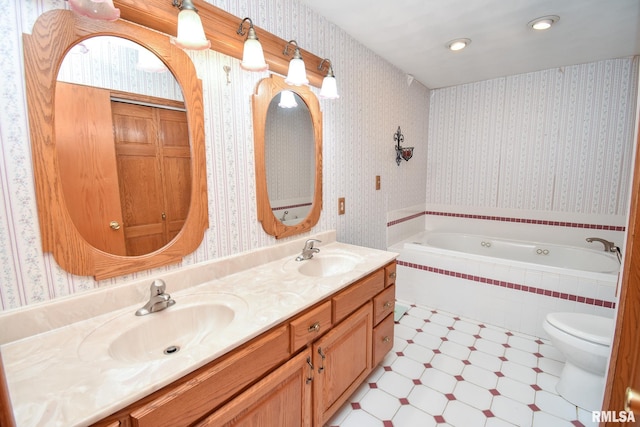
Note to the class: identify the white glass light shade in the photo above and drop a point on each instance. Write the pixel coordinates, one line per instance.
(95, 9)
(253, 56)
(297, 75)
(287, 100)
(190, 32)
(329, 89)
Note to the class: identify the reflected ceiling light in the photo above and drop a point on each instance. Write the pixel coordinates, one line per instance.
(95, 9)
(252, 54)
(329, 89)
(287, 100)
(190, 32)
(458, 44)
(544, 22)
(297, 75)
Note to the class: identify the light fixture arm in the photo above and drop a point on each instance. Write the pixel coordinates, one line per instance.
(401, 152)
(329, 67)
(296, 52)
(184, 5)
(252, 31)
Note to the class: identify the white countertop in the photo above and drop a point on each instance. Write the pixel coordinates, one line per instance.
(58, 369)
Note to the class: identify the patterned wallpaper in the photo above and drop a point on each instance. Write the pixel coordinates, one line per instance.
(358, 145)
(559, 140)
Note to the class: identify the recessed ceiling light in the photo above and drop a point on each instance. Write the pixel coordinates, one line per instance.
(544, 22)
(458, 44)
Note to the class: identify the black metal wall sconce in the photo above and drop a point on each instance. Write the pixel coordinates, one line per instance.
(401, 152)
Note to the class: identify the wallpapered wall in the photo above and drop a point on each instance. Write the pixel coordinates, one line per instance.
(558, 140)
(358, 144)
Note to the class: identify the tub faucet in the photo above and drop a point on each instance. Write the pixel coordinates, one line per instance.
(608, 246)
(158, 300)
(308, 250)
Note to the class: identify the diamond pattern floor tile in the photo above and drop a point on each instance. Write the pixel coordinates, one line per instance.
(446, 370)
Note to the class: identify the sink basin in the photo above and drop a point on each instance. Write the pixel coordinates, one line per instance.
(328, 265)
(194, 320)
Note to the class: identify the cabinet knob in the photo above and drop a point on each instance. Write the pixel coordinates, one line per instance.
(115, 225)
(392, 275)
(631, 400)
(314, 328)
(386, 339)
(387, 304)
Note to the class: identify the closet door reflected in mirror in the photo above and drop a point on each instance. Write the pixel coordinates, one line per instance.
(120, 175)
(288, 146)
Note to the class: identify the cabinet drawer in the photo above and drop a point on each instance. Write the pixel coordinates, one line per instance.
(191, 400)
(382, 339)
(310, 325)
(390, 275)
(353, 297)
(383, 304)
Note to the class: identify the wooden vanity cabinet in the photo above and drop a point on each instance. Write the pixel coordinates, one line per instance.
(297, 374)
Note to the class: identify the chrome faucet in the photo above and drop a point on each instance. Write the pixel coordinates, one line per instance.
(158, 300)
(308, 250)
(608, 246)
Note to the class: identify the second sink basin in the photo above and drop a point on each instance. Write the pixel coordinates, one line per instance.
(194, 320)
(328, 265)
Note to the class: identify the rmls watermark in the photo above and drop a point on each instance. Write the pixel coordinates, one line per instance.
(613, 416)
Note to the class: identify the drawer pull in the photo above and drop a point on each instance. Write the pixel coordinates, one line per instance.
(387, 304)
(386, 339)
(392, 275)
(314, 328)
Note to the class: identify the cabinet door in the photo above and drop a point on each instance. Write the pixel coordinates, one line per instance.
(282, 398)
(342, 360)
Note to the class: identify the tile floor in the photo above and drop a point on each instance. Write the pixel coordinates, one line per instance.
(445, 370)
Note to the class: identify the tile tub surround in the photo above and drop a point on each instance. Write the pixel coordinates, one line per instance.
(49, 383)
(503, 294)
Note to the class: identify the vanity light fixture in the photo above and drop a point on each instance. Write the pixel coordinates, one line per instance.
(297, 75)
(252, 54)
(458, 44)
(544, 22)
(401, 152)
(329, 89)
(190, 31)
(95, 9)
(287, 100)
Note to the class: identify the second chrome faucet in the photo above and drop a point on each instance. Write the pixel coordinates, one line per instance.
(308, 250)
(158, 300)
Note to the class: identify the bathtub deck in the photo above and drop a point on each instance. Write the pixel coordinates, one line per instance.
(447, 370)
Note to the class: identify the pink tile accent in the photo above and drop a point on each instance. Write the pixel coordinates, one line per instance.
(387, 368)
(428, 365)
(399, 353)
(444, 338)
(410, 341)
(577, 423)
(533, 407)
(387, 423)
(436, 351)
(466, 362)
(538, 355)
(450, 396)
(506, 345)
(487, 413)
(459, 377)
(494, 392)
(417, 382)
(504, 359)
(509, 334)
(439, 419)
(539, 342)
(499, 374)
(355, 405)
(538, 370)
(536, 387)
(373, 385)
(404, 401)
(513, 286)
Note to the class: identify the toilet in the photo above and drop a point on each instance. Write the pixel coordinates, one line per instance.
(585, 342)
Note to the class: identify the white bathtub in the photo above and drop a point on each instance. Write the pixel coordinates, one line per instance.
(502, 281)
(543, 254)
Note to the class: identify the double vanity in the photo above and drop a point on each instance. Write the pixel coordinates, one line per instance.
(256, 336)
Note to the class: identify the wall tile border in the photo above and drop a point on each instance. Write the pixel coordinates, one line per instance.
(510, 285)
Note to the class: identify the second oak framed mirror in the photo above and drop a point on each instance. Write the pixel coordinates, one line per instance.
(54, 35)
(288, 150)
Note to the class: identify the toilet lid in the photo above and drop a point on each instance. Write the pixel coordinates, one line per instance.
(596, 329)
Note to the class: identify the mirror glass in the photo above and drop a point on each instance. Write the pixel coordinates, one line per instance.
(71, 108)
(122, 144)
(288, 149)
(289, 158)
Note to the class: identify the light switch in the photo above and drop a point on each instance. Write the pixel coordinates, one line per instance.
(341, 206)
(377, 182)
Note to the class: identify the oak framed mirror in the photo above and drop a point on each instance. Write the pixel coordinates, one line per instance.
(64, 138)
(288, 150)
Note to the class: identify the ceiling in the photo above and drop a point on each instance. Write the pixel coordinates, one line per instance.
(412, 34)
